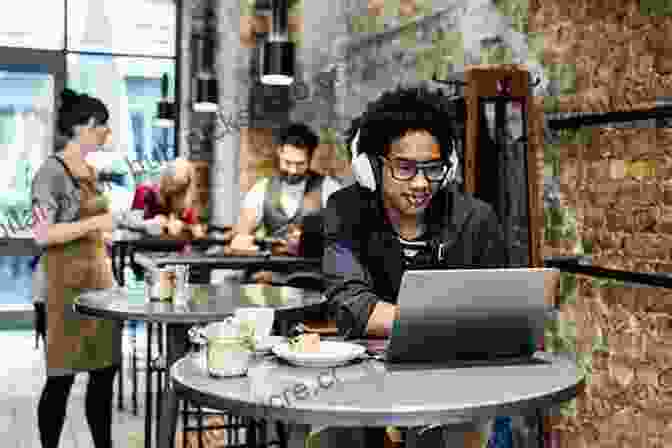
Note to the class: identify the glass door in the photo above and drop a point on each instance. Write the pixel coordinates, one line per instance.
(29, 83)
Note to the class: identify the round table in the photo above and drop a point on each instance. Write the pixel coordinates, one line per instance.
(372, 393)
(207, 303)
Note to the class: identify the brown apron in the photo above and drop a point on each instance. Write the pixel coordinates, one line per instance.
(74, 342)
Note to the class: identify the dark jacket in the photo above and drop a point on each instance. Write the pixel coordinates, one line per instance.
(362, 261)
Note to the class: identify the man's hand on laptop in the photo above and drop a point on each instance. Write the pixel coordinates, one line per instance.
(381, 320)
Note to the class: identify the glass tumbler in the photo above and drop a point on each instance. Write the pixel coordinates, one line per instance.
(227, 356)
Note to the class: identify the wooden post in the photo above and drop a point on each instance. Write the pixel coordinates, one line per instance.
(486, 81)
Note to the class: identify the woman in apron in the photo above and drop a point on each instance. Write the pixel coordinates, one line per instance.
(69, 218)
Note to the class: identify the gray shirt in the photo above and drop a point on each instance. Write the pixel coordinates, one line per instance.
(55, 192)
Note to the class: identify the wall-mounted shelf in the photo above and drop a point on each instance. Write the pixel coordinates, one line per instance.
(558, 121)
(576, 265)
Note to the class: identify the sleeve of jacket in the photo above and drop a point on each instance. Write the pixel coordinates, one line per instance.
(349, 285)
(490, 240)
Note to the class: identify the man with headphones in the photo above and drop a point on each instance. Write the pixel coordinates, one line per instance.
(404, 212)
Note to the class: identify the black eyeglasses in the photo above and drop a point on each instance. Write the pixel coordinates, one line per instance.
(406, 170)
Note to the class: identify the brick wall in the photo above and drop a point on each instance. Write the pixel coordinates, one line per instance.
(618, 183)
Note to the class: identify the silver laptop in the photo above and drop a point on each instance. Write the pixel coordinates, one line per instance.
(469, 317)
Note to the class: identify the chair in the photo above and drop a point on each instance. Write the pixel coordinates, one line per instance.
(310, 280)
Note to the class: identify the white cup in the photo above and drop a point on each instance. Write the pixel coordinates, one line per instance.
(261, 319)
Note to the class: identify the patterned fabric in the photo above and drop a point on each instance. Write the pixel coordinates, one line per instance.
(147, 199)
(275, 218)
(414, 252)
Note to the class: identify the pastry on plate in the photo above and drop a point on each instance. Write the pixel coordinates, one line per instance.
(305, 343)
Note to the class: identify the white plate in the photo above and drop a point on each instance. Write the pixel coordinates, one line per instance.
(331, 354)
(266, 344)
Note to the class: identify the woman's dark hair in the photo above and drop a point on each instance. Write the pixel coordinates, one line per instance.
(301, 136)
(77, 110)
(396, 112)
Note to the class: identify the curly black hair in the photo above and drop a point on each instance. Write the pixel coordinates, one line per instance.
(301, 136)
(77, 110)
(396, 112)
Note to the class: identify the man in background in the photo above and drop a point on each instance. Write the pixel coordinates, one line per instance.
(276, 206)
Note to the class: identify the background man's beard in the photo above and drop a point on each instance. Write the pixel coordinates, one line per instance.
(292, 179)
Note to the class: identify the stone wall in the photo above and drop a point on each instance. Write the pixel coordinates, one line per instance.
(613, 187)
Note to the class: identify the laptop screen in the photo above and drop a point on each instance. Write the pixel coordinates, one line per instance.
(469, 314)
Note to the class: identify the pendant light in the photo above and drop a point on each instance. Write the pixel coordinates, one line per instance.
(278, 57)
(206, 80)
(165, 110)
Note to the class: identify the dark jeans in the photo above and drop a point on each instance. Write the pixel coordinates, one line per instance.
(427, 437)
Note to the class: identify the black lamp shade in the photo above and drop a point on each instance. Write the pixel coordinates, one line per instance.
(165, 110)
(165, 114)
(206, 95)
(278, 68)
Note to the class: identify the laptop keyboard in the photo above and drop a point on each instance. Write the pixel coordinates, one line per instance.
(461, 364)
(378, 349)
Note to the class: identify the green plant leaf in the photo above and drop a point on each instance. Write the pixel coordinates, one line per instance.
(313, 439)
(496, 55)
(568, 408)
(551, 104)
(366, 24)
(205, 215)
(586, 247)
(600, 344)
(423, 8)
(425, 65)
(607, 283)
(655, 7)
(568, 288)
(342, 152)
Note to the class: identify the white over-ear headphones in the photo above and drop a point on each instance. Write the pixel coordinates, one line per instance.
(363, 170)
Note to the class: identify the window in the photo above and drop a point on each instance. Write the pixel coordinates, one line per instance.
(20, 26)
(131, 88)
(26, 137)
(108, 26)
(116, 50)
